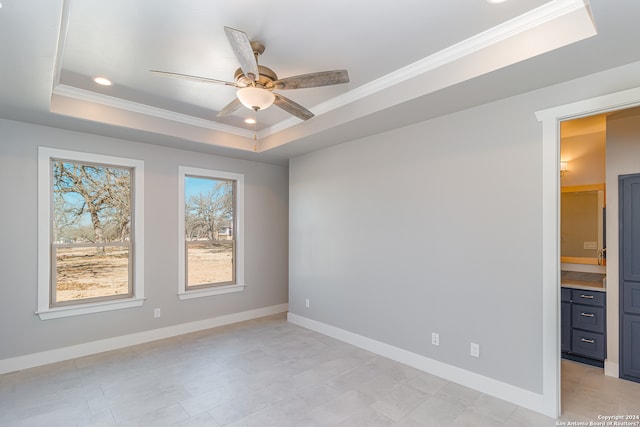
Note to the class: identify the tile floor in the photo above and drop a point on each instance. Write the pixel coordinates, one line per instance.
(268, 372)
(588, 393)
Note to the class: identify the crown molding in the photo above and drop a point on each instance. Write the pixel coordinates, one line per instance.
(135, 107)
(528, 21)
(532, 21)
(509, 29)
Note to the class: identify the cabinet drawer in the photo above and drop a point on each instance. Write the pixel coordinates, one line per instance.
(588, 344)
(580, 296)
(565, 294)
(588, 317)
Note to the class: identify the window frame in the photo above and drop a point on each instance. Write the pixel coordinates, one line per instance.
(185, 292)
(46, 309)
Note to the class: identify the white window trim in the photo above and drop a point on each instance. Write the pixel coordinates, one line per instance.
(239, 285)
(45, 154)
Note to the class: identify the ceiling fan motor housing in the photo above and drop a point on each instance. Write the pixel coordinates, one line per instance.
(265, 80)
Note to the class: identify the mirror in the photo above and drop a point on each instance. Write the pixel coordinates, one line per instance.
(582, 232)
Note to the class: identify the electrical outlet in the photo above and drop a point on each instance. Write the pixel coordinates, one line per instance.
(156, 313)
(435, 338)
(475, 349)
(306, 303)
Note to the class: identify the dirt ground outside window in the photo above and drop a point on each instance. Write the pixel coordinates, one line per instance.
(88, 273)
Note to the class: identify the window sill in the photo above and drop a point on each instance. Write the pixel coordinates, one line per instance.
(80, 309)
(199, 293)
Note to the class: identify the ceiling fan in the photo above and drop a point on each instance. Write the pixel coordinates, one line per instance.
(256, 83)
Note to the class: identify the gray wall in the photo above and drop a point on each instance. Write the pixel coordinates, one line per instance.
(266, 225)
(435, 227)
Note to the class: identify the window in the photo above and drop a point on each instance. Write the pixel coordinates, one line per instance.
(90, 234)
(210, 252)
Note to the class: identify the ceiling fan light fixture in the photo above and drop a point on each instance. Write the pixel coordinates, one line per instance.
(255, 98)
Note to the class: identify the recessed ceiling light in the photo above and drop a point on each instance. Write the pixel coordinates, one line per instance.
(250, 121)
(495, 1)
(102, 81)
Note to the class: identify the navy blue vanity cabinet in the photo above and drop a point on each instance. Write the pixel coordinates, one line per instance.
(565, 297)
(584, 325)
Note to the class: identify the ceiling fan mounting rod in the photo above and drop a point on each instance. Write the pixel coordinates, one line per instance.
(258, 49)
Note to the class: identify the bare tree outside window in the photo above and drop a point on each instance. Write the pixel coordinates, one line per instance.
(92, 232)
(209, 231)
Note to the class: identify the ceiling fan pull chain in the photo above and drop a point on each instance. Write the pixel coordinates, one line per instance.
(255, 129)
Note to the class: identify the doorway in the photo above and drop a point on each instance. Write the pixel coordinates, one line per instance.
(583, 147)
(551, 120)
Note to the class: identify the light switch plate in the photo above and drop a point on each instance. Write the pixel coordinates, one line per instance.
(590, 245)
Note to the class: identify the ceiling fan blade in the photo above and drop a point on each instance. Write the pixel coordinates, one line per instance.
(322, 78)
(243, 51)
(229, 108)
(188, 76)
(292, 108)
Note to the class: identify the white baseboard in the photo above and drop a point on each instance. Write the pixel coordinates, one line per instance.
(611, 369)
(454, 374)
(86, 349)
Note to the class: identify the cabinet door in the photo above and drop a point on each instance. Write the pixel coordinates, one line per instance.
(629, 207)
(631, 298)
(629, 188)
(565, 327)
(631, 348)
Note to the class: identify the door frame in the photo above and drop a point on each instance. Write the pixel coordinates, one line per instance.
(551, 119)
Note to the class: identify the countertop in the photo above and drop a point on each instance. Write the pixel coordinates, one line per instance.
(579, 280)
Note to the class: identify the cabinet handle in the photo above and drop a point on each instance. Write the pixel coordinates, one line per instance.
(587, 314)
(586, 296)
(587, 341)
